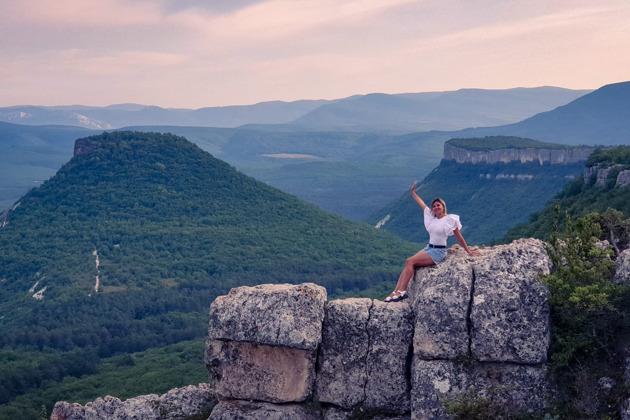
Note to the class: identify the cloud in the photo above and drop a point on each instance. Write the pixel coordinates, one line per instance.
(194, 53)
(84, 13)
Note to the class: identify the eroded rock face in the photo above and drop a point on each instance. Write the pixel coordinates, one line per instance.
(275, 314)
(622, 268)
(480, 321)
(263, 340)
(390, 329)
(342, 373)
(177, 404)
(514, 388)
(554, 156)
(490, 307)
(440, 297)
(243, 370)
(364, 356)
(509, 317)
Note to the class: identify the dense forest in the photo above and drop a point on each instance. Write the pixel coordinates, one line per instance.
(129, 243)
(504, 142)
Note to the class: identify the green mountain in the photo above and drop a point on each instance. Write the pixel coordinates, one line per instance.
(30, 155)
(493, 183)
(603, 186)
(127, 245)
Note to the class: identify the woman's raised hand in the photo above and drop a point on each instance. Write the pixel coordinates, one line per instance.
(413, 187)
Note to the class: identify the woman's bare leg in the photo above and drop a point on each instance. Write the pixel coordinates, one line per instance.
(421, 259)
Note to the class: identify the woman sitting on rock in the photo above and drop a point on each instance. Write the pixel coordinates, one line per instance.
(440, 226)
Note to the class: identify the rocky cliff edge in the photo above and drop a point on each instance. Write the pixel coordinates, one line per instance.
(471, 324)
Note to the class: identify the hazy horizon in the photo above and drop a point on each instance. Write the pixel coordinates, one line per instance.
(194, 54)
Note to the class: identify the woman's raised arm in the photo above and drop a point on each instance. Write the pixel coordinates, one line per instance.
(417, 197)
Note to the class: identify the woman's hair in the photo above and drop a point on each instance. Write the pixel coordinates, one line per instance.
(442, 202)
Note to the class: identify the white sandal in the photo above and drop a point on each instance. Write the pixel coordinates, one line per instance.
(392, 297)
(396, 296)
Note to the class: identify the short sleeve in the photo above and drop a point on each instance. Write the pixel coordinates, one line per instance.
(428, 217)
(451, 223)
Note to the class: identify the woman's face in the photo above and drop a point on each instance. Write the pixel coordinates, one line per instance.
(438, 209)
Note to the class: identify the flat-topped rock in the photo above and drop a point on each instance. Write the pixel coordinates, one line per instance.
(284, 315)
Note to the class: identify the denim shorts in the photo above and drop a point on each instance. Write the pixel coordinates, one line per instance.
(436, 254)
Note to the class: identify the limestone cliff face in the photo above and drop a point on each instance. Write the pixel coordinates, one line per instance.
(524, 155)
(285, 352)
(600, 175)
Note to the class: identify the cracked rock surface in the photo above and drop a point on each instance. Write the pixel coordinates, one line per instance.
(364, 355)
(274, 314)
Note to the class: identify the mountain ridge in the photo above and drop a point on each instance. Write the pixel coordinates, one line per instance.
(441, 110)
(600, 117)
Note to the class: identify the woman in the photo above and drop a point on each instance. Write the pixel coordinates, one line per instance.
(440, 226)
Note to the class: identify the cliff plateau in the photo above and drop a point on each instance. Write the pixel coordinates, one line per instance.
(471, 324)
(541, 155)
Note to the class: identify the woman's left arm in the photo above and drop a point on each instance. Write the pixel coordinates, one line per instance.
(460, 239)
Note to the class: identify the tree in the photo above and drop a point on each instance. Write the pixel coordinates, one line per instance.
(589, 315)
(615, 228)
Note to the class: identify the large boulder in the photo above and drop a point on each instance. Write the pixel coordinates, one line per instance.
(364, 355)
(509, 315)
(342, 372)
(509, 388)
(242, 370)
(263, 340)
(440, 297)
(390, 329)
(274, 314)
(490, 307)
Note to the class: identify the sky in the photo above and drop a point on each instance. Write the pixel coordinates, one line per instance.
(205, 53)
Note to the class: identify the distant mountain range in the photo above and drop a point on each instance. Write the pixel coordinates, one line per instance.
(601, 117)
(444, 111)
(319, 154)
(375, 112)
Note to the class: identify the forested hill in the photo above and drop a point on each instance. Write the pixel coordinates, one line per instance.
(127, 245)
(605, 184)
(493, 183)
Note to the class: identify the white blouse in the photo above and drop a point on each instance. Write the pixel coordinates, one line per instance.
(440, 229)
